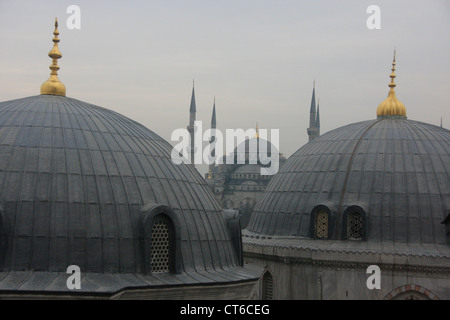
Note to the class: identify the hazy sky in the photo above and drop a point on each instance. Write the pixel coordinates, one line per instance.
(258, 58)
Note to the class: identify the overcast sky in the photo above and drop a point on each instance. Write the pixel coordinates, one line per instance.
(258, 58)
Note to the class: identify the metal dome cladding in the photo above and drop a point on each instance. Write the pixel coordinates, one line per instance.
(73, 180)
(397, 171)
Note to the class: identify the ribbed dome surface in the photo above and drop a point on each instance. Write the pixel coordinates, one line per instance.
(73, 179)
(397, 170)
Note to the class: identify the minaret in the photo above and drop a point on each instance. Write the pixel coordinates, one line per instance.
(312, 130)
(318, 119)
(213, 136)
(213, 118)
(53, 86)
(190, 127)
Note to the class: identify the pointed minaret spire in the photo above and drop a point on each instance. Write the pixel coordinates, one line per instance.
(313, 99)
(213, 137)
(312, 130)
(318, 119)
(213, 118)
(191, 126)
(257, 131)
(53, 86)
(213, 125)
(193, 107)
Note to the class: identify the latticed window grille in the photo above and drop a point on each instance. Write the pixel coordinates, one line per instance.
(160, 249)
(322, 224)
(267, 286)
(354, 226)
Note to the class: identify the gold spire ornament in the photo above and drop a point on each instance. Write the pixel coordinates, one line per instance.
(391, 106)
(53, 86)
(257, 131)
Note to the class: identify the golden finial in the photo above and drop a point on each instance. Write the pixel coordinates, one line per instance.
(391, 106)
(257, 131)
(209, 175)
(53, 85)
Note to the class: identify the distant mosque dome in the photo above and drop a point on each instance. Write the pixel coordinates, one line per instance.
(252, 151)
(83, 185)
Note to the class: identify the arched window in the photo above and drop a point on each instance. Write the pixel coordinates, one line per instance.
(355, 223)
(267, 286)
(161, 245)
(354, 226)
(322, 224)
(160, 239)
(412, 295)
(411, 292)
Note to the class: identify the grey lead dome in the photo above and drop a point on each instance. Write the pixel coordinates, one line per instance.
(396, 170)
(74, 179)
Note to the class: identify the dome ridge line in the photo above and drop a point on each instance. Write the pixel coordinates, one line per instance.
(350, 162)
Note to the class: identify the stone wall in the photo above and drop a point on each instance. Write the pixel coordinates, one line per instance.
(303, 275)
